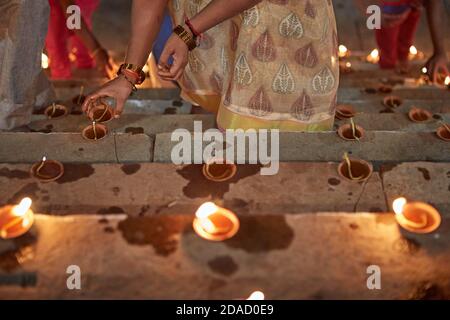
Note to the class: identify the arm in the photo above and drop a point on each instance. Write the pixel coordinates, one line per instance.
(213, 14)
(146, 18)
(438, 62)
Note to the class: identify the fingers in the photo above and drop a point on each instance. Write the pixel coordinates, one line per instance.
(119, 108)
(164, 59)
(91, 99)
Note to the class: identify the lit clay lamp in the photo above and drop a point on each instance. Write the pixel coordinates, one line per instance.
(343, 51)
(100, 113)
(373, 57)
(443, 132)
(447, 82)
(351, 132)
(16, 220)
(419, 115)
(345, 111)
(257, 295)
(392, 102)
(94, 132)
(443, 80)
(417, 217)
(219, 171)
(355, 170)
(415, 54)
(345, 67)
(215, 223)
(56, 111)
(47, 170)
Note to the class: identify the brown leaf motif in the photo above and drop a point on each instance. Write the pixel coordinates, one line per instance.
(264, 49)
(303, 109)
(307, 56)
(260, 104)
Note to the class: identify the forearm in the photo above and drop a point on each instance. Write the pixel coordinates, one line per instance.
(434, 10)
(218, 11)
(146, 17)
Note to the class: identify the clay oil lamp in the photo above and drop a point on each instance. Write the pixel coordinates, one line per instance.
(373, 57)
(385, 89)
(443, 132)
(215, 223)
(355, 170)
(257, 295)
(416, 217)
(94, 132)
(392, 102)
(55, 111)
(345, 111)
(47, 170)
(100, 112)
(219, 171)
(79, 99)
(447, 82)
(345, 67)
(443, 80)
(343, 51)
(15, 220)
(419, 115)
(351, 132)
(415, 54)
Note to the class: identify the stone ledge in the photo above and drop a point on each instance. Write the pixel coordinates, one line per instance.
(154, 188)
(71, 147)
(322, 256)
(328, 146)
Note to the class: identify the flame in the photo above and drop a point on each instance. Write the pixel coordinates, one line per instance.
(45, 62)
(413, 50)
(257, 295)
(44, 158)
(203, 213)
(398, 205)
(447, 81)
(343, 51)
(374, 54)
(22, 208)
(424, 70)
(348, 65)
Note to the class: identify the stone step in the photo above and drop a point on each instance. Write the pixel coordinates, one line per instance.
(153, 124)
(152, 188)
(21, 147)
(326, 255)
(377, 146)
(422, 93)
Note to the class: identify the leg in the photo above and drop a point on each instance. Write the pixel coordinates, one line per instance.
(56, 43)
(387, 39)
(82, 55)
(407, 33)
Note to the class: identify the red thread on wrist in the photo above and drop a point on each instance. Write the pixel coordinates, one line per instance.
(191, 27)
(131, 73)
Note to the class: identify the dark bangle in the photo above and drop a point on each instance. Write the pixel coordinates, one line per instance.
(134, 69)
(186, 37)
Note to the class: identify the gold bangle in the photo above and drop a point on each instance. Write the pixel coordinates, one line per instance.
(181, 32)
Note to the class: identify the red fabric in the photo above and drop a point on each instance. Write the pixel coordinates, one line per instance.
(394, 42)
(60, 40)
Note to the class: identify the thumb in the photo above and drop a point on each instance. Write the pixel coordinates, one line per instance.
(120, 103)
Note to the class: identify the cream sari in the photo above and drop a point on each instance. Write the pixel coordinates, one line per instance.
(274, 66)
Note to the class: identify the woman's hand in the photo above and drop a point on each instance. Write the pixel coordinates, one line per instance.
(436, 66)
(118, 89)
(105, 64)
(178, 50)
